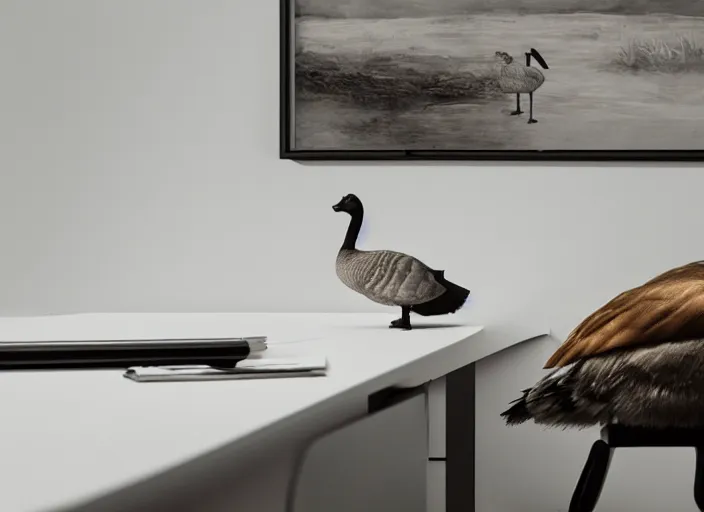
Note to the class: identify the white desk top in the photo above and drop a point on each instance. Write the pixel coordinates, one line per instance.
(68, 436)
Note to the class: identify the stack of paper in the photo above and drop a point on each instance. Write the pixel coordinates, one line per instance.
(258, 368)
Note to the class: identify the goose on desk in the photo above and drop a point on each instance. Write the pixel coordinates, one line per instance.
(517, 78)
(393, 278)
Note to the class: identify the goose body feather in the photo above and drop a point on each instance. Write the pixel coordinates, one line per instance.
(657, 386)
(520, 79)
(638, 360)
(388, 277)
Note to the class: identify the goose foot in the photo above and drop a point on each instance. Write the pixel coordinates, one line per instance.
(401, 323)
(532, 121)
(404, 322)
(516, 112)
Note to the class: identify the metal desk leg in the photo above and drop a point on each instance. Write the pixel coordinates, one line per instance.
(460, 430)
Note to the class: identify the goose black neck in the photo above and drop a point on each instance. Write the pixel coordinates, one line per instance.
(353, 229)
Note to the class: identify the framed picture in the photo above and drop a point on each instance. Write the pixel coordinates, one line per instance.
(492, 80)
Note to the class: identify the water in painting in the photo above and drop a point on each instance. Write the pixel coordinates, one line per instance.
(449, 75)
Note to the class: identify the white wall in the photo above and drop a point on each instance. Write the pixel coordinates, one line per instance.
(138, 149)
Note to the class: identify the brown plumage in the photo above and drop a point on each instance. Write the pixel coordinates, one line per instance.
(638, 360)
(669, 307)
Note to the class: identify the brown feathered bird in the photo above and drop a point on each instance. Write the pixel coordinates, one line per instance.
(638, 361)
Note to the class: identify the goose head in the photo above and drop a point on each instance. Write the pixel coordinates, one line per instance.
(349, 204)
(503, 58)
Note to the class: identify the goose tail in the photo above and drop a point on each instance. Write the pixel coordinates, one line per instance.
(449, 302)
(554, 401)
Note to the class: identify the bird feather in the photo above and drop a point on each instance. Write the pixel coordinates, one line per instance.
(669, 307)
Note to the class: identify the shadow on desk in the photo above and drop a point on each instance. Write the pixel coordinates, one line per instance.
(416, 326)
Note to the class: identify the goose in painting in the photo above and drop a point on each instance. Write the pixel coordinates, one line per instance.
(516, 78)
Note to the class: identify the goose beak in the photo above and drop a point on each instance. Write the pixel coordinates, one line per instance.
(539, 58)
(337, 207)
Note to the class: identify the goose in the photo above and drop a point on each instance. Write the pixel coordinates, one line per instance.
(516, 78)
(393, 278)
(638, 361)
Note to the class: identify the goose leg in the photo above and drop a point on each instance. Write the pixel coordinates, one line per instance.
(531, 120)
(405, 321)
(518, 110)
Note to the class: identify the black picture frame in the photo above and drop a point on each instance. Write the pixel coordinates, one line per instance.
(288, 152)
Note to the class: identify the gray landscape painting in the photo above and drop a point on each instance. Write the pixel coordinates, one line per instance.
(448, 74)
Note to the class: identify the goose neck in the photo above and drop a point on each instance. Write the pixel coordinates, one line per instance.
(353, 230)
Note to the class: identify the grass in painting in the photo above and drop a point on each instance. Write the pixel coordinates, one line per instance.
(391, 81)
(661, 56)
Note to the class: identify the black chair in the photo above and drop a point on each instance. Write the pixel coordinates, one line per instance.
(591, 481)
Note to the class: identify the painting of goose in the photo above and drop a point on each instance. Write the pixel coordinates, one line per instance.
(464, 75)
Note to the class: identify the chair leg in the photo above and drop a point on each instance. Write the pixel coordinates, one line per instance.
(591, 481)
(699, 478)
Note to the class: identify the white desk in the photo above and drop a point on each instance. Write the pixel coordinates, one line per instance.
(67, 438)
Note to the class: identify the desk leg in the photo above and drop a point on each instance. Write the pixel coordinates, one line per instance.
(459, 436)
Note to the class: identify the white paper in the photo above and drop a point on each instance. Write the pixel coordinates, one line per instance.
(309, 366)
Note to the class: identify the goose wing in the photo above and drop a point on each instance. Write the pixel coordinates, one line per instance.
(517, 78)
(534, 78)
(390, 277)
(669, 307)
